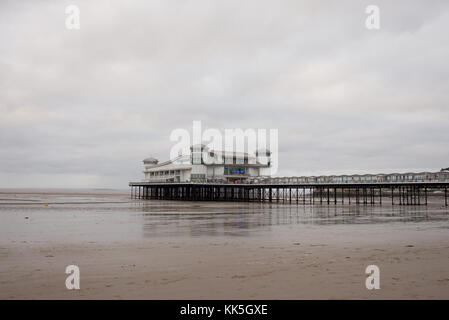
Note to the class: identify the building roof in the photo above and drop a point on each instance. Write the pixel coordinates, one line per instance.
(180, 160)
(150, 160)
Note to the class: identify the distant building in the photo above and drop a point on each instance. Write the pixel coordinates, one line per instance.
(204, 165)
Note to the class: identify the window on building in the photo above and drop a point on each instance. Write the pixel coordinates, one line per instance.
(229, 171)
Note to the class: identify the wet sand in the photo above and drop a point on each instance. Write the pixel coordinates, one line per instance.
(224, 271)
(129, 249)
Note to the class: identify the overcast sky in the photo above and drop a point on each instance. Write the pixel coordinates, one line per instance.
(82, 108)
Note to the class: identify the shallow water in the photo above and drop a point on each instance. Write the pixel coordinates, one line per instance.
(106, 216)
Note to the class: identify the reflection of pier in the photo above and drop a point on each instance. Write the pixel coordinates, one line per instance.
(402, 193)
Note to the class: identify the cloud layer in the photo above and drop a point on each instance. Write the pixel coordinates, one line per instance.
(83, 108)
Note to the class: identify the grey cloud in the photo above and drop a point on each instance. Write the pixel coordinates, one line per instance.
(82, 108)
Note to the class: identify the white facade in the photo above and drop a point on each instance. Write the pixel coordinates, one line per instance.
(208, 165)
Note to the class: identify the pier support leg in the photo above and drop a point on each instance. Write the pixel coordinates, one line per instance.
(419, 195)
(445, 196)
(406, 194)
(297, 194)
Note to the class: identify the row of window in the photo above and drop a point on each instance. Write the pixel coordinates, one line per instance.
(367, 178)
(165, 173)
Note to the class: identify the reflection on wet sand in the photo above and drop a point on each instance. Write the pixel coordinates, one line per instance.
(93, 215)
(170, 218)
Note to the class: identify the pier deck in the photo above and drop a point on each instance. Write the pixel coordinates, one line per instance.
(397, 193)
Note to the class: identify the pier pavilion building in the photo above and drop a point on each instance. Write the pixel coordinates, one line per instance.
(205, 165)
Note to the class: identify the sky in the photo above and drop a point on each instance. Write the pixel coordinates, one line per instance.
(82, 108)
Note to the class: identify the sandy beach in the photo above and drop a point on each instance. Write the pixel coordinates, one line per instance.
(224, 271)
(170, 250)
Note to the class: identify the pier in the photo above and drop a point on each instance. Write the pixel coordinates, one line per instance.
(396, 193)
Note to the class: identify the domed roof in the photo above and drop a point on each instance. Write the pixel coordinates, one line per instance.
(150, 160)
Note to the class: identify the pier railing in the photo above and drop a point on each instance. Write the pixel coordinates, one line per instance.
(413, 177)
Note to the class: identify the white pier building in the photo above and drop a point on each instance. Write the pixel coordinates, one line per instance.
(204, 165)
